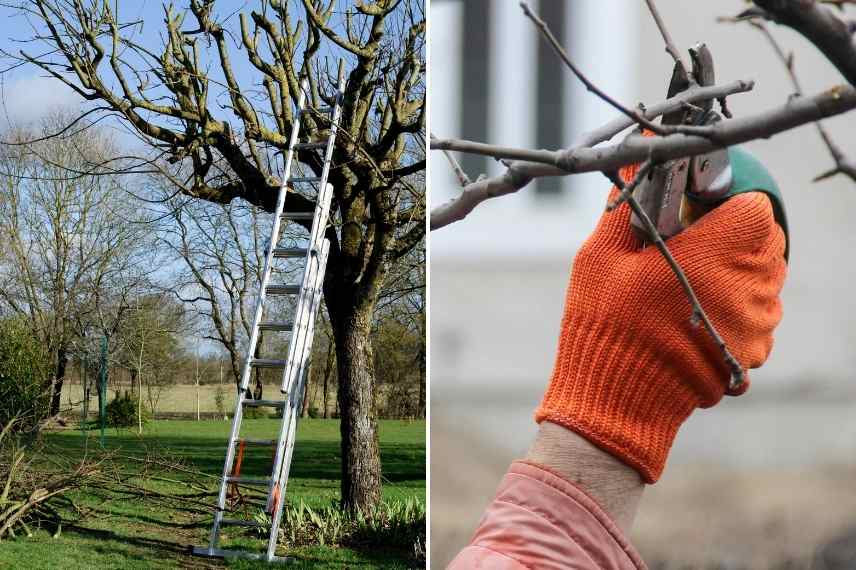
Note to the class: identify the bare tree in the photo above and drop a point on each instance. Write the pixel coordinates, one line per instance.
(150, 338)
(220, 247)
(71, 252)
(185, 99)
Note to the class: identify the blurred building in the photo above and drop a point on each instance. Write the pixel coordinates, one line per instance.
(498, 278)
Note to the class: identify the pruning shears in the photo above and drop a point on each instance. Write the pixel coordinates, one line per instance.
(678, 192)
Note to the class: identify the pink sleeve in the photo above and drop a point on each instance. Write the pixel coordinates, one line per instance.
(539, 520)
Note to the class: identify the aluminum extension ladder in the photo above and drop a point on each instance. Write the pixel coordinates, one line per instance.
(294, 367)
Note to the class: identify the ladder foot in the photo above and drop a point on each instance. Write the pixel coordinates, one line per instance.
(226, 553)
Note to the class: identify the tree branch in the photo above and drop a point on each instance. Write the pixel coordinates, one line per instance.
(631, 150)
(843, 165)
(819, 25)
(670, 45)
(554, 43)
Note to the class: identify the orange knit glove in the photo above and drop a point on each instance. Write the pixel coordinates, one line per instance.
(631, 367)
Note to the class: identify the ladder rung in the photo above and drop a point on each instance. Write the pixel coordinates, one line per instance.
(305, 179)
(267, 363)
(321, 110)
(284, 327)
(261, 442)
(298, 215)
(282, 289)
(310, 145)
(260, 403)
(248, 480)
(240, 522)
(286, 252)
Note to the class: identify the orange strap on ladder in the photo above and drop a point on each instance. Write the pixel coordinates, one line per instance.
(273, 500)
(236, 470)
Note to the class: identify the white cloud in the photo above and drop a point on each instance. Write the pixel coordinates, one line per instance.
(25, 99)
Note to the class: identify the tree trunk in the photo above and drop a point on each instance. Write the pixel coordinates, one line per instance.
(258, 392)
(420, 409)
(328, 369)
(59, 379)
(361, 470)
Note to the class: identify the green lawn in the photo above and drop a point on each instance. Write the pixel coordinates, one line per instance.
(132, 532)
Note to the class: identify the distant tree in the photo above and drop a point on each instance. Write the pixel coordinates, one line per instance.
(71, 255)
(151, 338)
(220, 248)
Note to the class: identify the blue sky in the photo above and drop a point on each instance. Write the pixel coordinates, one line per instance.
(27, 92)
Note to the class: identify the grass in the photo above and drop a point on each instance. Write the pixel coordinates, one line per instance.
(129, 532)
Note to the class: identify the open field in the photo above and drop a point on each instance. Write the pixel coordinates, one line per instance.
(127, 532)
(178, 398)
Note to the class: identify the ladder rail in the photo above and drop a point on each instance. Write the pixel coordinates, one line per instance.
(288, 374)
(304, 299)
(297, 343)
(288, 430)
(271, 245)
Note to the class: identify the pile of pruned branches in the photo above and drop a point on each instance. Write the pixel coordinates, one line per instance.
(37, 483)
(31, 496)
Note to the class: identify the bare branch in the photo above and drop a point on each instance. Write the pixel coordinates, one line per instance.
(631, 150)
(819, 25)
(695, 94)
(627, 190)
(843, 165)
(670, 45)
(554, 43)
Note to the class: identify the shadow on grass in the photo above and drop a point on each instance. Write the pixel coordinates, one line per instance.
(127, 538)
(313, 458)
(324, 558)
(315, 475)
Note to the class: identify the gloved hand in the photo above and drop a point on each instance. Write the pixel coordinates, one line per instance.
(631, 367)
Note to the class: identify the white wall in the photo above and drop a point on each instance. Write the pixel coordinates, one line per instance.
(522, 225)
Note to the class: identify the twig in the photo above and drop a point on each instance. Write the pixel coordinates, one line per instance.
(698, 313)
(692, 95)
(495, 151)
(842, 164)
(627, 190)
(670, 45)
(462, 177)
(560, 51)
(637, 116)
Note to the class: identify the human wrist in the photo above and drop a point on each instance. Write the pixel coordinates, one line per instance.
(614, 485)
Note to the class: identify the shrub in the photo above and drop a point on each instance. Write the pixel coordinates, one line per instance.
(25, 369)
(254, 413)
(122, 411)
(313, 412)
(220, 401)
